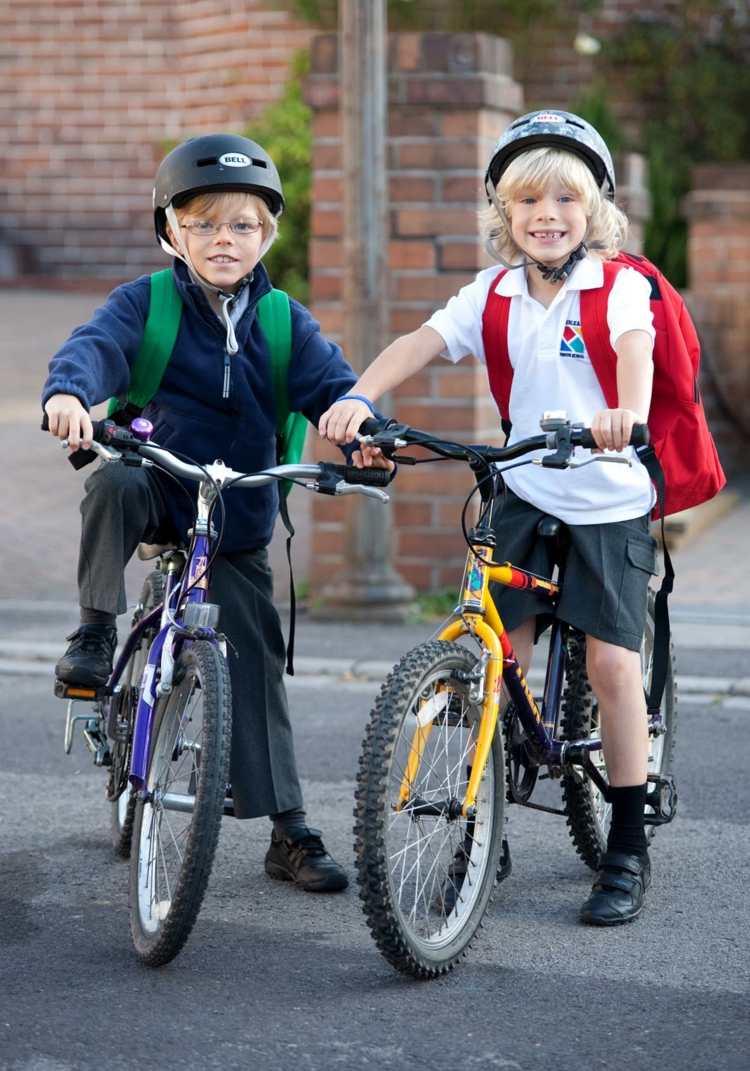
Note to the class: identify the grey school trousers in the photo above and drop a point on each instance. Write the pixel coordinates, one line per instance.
(125, 506)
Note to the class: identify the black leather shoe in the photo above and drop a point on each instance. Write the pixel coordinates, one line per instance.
(450, 893)
(301, 857)
(618, 890)
(88, 659)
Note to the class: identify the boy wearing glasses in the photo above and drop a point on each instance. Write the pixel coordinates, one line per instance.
(217, 200)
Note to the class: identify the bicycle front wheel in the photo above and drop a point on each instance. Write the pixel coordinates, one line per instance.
(176, 827)
(426, 873)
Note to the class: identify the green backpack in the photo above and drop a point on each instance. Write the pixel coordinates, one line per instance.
(162, 325)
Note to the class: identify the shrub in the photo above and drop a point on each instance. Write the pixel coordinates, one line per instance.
(284, 131)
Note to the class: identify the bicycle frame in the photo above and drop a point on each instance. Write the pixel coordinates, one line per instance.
(168, 642)
(477, 615)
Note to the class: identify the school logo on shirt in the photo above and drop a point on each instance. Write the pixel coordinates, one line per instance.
(572, 344)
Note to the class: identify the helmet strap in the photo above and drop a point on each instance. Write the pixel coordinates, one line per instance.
(559, 275)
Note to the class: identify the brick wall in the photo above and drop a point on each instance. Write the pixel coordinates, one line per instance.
(718, 213)
(90, 95)
(449, 96)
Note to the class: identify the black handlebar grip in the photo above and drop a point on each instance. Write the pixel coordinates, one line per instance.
(367, 477)
(639, 436)
(97, 425)
(373, 425)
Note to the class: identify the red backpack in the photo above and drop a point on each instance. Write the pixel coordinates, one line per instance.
(683, 449)
(681, 458)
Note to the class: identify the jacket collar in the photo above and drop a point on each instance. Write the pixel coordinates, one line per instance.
(192, 293)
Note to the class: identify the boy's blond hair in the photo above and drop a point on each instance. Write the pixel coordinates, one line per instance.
(533, 171)
(230, 201)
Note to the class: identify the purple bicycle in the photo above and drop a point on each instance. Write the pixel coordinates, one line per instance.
(162, 726)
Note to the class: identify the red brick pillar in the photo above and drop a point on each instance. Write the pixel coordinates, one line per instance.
(450, 95)
(718, 214)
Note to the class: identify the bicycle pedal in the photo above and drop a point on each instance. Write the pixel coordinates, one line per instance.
(79, 692)
(661, 797)
(93, 731)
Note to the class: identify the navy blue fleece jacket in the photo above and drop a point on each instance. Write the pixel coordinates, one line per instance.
(188, 412)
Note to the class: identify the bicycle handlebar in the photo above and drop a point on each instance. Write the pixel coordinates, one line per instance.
(109, 439)
(560, 436)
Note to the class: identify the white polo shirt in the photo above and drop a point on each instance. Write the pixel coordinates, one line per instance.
(552, 370)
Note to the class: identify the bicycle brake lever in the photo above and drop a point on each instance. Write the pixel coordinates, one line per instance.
(610, 460)
(358, 489)
(107, 452)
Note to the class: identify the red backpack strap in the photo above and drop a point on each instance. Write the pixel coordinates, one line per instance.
(495, 338)
(596, 332)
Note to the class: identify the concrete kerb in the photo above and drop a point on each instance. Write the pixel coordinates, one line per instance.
(20, 657)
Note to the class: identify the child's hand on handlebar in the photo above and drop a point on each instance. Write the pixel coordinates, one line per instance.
(612, 428)
(371, 457)
(69, 420)
(341, 422)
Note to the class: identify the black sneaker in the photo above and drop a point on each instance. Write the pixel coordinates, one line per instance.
(301, 857)
(619, 889)
(451, 891)
(88, 659)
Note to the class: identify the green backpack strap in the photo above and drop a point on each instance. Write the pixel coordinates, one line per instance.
(275, 317)
(159, 337)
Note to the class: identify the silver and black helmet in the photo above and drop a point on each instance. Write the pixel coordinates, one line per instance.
(554, 129)
(215, 163)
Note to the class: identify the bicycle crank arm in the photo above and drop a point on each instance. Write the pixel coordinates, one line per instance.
(419, 808)
(176, 801)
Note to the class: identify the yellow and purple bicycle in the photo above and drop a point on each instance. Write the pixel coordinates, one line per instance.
(444, 751)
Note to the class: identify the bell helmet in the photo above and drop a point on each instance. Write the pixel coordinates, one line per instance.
(215, 163)
(554, 129)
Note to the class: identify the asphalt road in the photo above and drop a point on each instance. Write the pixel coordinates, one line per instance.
(275, 978)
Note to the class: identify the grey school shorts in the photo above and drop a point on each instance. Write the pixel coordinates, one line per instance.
(607, 572)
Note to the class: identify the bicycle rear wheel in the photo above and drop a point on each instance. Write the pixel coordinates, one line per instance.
(122, 719)
(589, 814)
(176, 828)
(426, 879)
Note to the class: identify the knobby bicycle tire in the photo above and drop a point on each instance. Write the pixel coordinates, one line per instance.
(123, 808)
(383, 871)
(587, 817)
(200, 671)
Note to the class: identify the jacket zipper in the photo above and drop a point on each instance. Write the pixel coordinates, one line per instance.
(227, 375)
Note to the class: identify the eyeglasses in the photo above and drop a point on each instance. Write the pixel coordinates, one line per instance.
(241, 228)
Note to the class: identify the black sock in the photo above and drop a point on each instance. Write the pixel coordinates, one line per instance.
(287, 823)
(97, 617)
(627, 832)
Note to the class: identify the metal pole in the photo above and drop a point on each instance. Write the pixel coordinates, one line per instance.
(369, 586)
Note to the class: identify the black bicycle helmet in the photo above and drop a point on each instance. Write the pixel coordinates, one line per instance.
(555, 129)
(215, 163)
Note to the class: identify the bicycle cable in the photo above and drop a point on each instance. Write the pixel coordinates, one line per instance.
(486, 514)
(184, 589)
